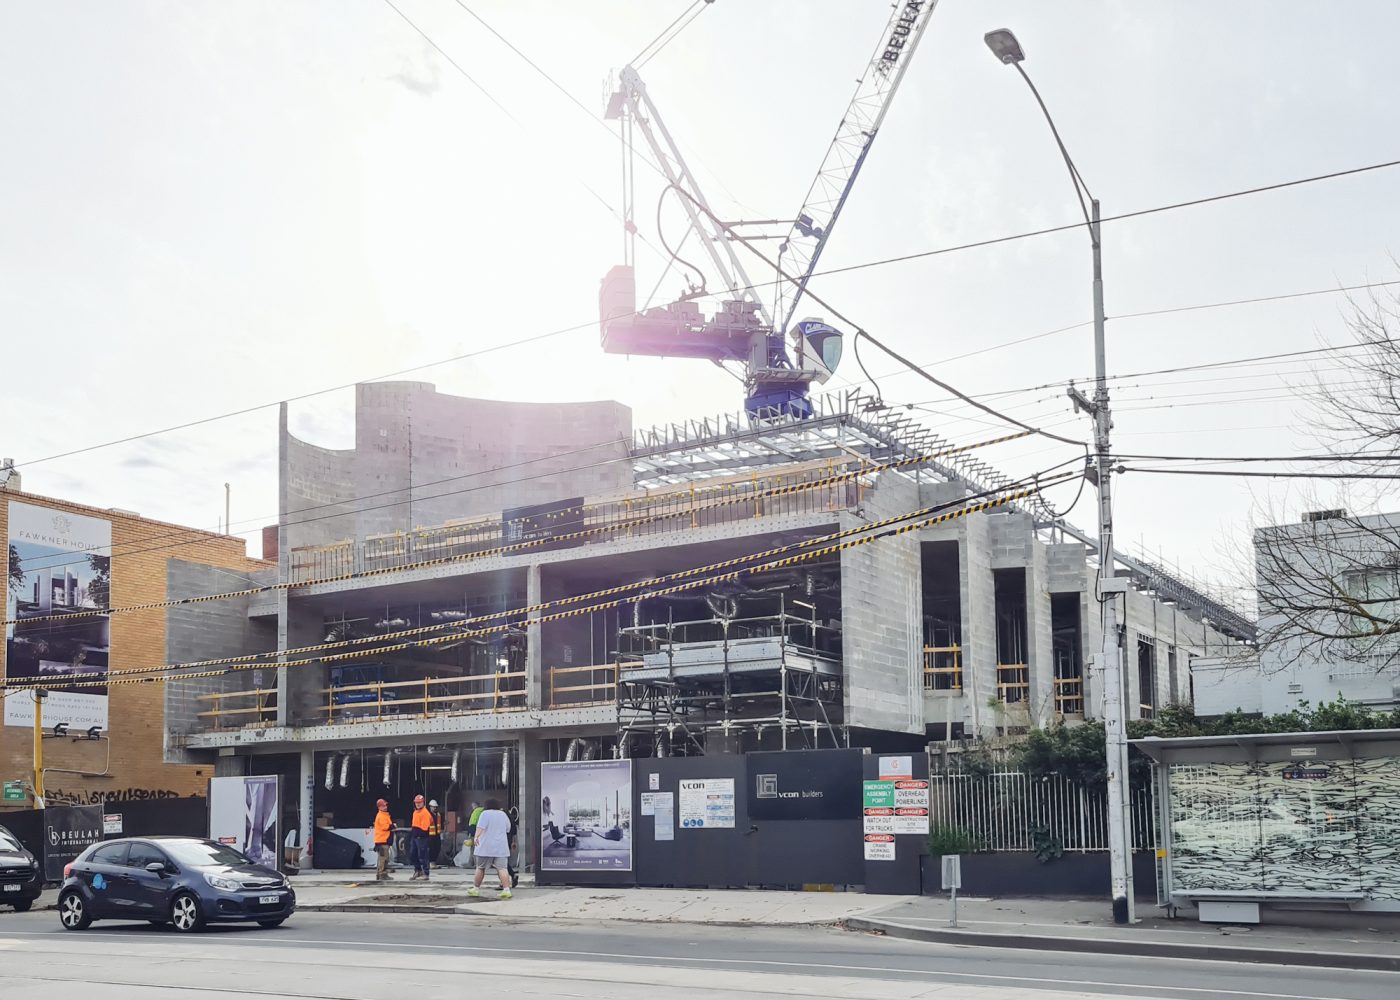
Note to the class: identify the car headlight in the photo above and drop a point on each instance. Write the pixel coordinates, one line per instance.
(221, 882)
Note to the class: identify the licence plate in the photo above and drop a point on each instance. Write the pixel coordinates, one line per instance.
(12, 888)
(261, 899)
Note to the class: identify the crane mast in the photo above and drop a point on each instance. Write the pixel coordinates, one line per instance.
(799, 252)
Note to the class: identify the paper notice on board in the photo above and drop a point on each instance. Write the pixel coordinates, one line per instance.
(664, 813)
(654, 781)
(648, 803)
(707, 803)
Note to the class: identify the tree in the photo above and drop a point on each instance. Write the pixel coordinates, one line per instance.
(15, 571)
(1328, 587)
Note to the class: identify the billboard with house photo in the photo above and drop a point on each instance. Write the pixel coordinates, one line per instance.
(58, 590)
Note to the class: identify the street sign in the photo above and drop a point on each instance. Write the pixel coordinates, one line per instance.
(952, 871)
(952, 881)
(14, 791)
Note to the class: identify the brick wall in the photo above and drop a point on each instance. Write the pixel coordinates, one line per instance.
(141, 551)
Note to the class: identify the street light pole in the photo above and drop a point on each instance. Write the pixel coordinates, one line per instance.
(1006, 48)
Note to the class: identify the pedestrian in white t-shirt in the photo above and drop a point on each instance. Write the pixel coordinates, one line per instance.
(492, 848)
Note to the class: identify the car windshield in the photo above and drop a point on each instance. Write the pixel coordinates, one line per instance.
(8, 843)
(203, 853)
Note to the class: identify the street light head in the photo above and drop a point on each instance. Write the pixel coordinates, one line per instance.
(1004, 45)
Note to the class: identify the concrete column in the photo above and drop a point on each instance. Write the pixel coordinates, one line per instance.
(1039, 640)
(529, 754)
(300, 694)
(305, 810)
(979, 641)
(534, 642)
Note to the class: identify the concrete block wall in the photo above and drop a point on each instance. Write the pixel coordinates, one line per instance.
(208, 631)
(423, 458)
(141, 551)
(882, 616)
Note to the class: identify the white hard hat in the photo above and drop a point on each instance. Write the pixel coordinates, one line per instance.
(433, 803)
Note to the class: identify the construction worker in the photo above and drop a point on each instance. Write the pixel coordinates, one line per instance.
(435, 834)
(383, 841)
(418, 835)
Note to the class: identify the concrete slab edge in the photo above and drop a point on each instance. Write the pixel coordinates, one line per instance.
(1114, 946)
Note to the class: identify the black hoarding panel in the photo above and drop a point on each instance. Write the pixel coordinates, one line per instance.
(544, 524)
(68, 832)
(805, 784)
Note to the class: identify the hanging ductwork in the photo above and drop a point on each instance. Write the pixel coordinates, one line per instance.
(344, 770)
(456, 764)
(637, 614)
(388, 765)
(590, 751)
(505, 769)
(661, 750)
(575, 745)
(620, 751)
(330, 772)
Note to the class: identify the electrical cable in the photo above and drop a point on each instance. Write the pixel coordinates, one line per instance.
(582, 326)
(695, 290)
(835, 541)
(633, 61)
(1262, 475)
(861, 332)
(753, 496)
(676, 34)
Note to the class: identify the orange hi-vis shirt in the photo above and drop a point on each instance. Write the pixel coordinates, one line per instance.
(422, 820)
(383, 828)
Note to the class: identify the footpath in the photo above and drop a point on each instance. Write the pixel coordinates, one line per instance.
(1331, 940)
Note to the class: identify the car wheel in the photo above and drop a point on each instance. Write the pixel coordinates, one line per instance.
(269, 924)
(23, 905)
(73, 912)
(185, 914)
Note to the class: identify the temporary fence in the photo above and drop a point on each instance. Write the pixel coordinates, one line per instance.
(1016, 811)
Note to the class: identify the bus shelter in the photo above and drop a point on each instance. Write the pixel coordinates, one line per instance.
(1279, 820)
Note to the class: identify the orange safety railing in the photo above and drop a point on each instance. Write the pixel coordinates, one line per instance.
(595, 684)
(474, 694)
(1013, 683)
(262, 711)
(943, 668)
(1069, 695)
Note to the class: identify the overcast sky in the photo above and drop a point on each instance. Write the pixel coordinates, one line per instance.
(208, 206)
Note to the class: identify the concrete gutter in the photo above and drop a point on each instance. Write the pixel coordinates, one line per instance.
(1124, 946)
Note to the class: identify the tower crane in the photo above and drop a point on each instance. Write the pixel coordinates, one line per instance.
(745, 328)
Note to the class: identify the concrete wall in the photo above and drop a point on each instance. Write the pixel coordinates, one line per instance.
(210, 630)
(882, 618)
(423, 458)
(1224, 684)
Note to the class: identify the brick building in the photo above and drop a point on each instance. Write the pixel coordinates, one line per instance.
(68, 560)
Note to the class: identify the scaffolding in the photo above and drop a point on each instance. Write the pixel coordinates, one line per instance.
(686, 687)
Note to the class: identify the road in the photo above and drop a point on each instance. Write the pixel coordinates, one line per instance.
(375, 957)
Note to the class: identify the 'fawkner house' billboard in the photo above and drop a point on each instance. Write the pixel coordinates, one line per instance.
(58, 590)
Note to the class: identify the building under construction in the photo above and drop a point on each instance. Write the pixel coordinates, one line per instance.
(480, 586)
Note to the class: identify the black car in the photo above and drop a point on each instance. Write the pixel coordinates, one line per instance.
(182, 881)
(21, 880)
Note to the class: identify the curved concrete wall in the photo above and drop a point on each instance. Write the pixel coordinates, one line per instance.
(422, 458)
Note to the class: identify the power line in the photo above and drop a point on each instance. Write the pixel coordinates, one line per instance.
(699, 8)
(511, 549)
(876, 263)
(633, 61)
(1264, 475)
(835, 541)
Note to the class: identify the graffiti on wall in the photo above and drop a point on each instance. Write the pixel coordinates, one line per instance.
(58, 796)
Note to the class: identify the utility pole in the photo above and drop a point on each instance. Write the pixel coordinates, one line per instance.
(1006, 48)
(39, 695)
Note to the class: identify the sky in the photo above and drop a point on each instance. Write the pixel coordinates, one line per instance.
(210, 207)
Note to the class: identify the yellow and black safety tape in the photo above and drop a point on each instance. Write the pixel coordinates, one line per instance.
(515, 547)
(461, 629)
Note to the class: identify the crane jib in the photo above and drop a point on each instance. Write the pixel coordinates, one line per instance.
(899, 35)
